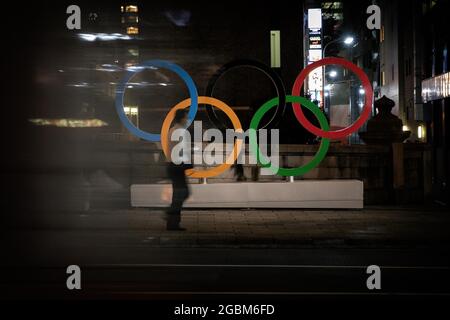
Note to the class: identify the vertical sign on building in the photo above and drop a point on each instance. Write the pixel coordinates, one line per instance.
(314, 85)
(275, 60)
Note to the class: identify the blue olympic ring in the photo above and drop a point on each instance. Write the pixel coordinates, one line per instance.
(120, 91)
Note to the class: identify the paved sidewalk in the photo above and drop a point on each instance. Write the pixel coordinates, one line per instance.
(376, 226)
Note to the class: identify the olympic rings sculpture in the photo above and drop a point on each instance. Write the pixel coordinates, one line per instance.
(277, 102)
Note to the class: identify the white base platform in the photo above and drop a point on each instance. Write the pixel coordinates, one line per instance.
(299, 194)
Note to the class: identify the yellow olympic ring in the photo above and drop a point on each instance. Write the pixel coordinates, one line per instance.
(193, 173)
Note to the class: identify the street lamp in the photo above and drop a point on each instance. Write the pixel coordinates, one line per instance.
(347, 40)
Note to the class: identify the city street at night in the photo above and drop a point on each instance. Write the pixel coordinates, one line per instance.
(191, 160)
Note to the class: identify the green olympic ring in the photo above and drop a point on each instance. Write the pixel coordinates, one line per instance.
(319, 156)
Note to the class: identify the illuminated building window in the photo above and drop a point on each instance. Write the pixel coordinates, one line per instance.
(382, 34)
(332, 5)
(132, 113)
(134, 19)
(132, 30)
(131, 9)
(121, 8)
(337, 5)
(338, 16)
(123, 20)
(134, 52)
(131, 110)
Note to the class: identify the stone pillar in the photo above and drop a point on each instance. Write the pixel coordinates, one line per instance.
(427, 174)
(398, 173)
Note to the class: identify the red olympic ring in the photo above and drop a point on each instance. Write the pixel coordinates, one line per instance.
(337, 134)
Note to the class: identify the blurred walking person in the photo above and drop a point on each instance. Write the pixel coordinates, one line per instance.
(180, 161)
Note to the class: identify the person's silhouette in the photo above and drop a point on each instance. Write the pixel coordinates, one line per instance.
(179, 163)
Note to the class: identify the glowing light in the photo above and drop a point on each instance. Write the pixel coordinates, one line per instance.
(69, 123)
(135, 68)
(131, 111)
(87, 36)
(102, 36)
(131, 9)
(349, 40)
(436, 88)
(79, 85)
(108, 68)
(420, 132)
(132, 30)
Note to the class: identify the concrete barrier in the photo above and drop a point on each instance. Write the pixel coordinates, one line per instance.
(299, 194)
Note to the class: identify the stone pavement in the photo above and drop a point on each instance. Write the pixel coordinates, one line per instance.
(372, 226)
